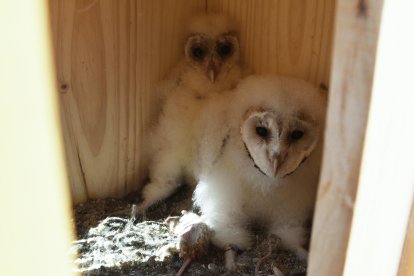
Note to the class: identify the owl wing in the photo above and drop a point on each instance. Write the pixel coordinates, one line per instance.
(215, 133)
(171, 82)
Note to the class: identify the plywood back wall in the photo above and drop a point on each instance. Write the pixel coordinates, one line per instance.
(287, 37)
(110, 54)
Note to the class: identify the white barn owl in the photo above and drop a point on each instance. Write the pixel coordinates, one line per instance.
(259, 158)
(211, 65)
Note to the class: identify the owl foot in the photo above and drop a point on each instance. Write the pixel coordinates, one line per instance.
(154, 192)
(142, 207)
(230, 257)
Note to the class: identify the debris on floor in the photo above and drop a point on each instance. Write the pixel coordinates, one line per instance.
(112, 240)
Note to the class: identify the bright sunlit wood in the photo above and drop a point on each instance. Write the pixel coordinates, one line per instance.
(386, 186)
(353, 64)
(34, 206)
(292, 38)
(109, 56)
(407, 264)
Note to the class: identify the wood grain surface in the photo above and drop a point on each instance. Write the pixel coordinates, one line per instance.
(353, 64)
(407, 265)
(109, 55)
(291, 38)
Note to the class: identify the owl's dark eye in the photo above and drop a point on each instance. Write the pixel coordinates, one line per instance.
(296, 135)
(224, 50)
(198, 52)
(262, 131)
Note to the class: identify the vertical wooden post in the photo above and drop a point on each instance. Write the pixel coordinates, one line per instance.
(407, 264)
(386, 185)
(355, 43)
(367, 181)
(35, 229)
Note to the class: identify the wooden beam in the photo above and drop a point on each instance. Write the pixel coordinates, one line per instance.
(35, 229)
(355, 43)
(407, 264)
(386, 185)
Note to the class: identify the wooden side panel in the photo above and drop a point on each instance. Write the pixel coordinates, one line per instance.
(407, 264)
(109, 54)
(35, 231)
(386, 181)
(355, 44)
(291, 38)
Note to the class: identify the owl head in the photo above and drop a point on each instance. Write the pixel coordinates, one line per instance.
(278, 143)
(212, 46)
(281, 124)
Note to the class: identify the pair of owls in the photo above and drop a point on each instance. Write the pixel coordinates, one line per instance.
(253, 145)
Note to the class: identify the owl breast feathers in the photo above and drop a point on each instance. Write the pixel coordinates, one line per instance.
(258, 160)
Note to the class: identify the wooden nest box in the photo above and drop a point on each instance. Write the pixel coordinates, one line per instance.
(108, 56)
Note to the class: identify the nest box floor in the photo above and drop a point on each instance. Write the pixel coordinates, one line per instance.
(111, 242)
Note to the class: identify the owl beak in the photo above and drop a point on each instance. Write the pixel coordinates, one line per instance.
(213, 69)
(211, 75)
(278, 160)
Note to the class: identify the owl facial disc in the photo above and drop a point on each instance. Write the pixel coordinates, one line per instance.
(278, 143)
